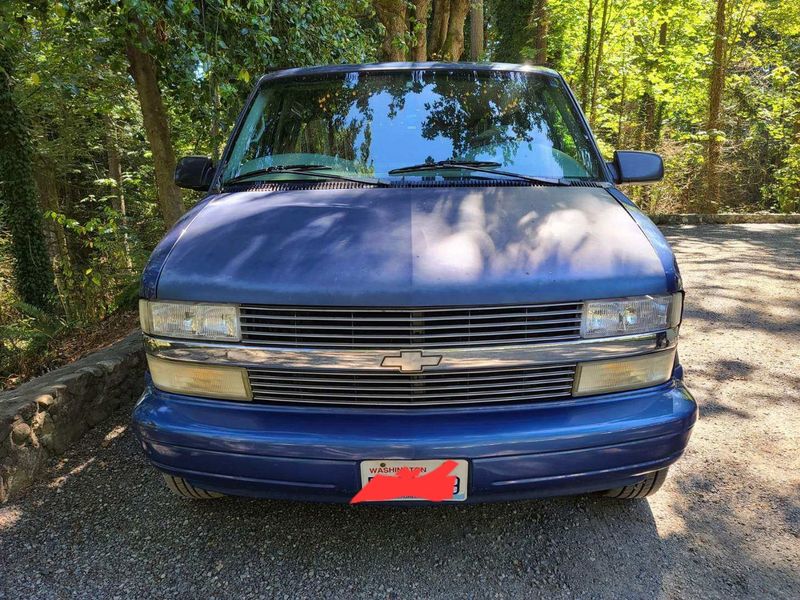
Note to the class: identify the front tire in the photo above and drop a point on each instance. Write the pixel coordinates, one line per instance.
(646, 487)
(180, 487)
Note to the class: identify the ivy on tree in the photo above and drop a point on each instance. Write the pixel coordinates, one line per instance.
(33, 276)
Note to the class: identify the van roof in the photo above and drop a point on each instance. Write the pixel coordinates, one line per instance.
(406, 66)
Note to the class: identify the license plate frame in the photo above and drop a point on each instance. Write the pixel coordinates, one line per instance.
(370, 468)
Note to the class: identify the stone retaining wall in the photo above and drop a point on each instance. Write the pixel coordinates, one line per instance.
(41, 418)
(725, 218)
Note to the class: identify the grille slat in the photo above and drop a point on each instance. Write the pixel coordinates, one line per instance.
(363, 388)
(433, 377)
(400, 328)
(377, 337)
(335, 314)
(413, 397)
(538, 397)
(320, 327)
(439, 388)
(420, 345)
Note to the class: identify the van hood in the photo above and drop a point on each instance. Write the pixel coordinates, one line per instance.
(419, 246)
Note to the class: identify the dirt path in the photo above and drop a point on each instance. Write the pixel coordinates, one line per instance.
(726, 524)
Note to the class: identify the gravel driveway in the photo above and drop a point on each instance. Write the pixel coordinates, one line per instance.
(726, 523)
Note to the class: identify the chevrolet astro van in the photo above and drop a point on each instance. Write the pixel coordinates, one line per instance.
(398, 265)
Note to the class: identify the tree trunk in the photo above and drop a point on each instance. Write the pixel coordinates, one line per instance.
(419, 51)
(658, 119)
(658, 123)
(476, 30)
(453, 46)
(114, 168)
(647, 113)
(33, 273)
(716, 87)
(598, 61)
(622, 107)
(156, 126)
(650, 111)
(56, 236)
(392, 15)
(118, 197)
(587, 55)
(214, 132)
(541, 23)
(441, 20)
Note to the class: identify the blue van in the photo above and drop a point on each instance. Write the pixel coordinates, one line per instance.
(398, 265)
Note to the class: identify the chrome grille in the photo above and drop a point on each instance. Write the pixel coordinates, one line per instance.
(364, 388)
(404, 327)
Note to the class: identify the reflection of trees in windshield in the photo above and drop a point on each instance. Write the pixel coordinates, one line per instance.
(440, 115)
(498, 111)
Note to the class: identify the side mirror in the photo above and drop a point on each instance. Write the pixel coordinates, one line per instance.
(194, 173)
(632, 166)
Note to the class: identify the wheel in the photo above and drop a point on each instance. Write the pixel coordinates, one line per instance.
(646, 487)
(180, 487)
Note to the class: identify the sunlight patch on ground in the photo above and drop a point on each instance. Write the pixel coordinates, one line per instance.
(667, 514)
(9, 517)
(60, 481)
(113, 434)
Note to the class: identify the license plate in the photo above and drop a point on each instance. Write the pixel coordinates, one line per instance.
(371, 468)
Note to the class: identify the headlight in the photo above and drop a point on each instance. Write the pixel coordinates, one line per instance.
(208, 381)
(617, 375)
(188, 320)
(607, 318)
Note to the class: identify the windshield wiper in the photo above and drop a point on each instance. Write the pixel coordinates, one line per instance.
(302, 169)
(481, 166)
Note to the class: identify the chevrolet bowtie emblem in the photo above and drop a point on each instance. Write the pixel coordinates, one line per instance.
(411, 362)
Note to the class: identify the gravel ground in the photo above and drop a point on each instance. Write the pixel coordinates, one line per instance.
(725, 524)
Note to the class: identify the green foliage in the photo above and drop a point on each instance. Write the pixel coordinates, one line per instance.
(652, 89)
(74, 90)
(26, 333)
(18, 203)
(510, 29)
(212, 52)
(115, 258)
(785, 192)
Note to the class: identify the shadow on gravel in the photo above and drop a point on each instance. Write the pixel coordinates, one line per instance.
(717, 535)
(103, 525)
(742, 317)
(762, 240)
(730, 264)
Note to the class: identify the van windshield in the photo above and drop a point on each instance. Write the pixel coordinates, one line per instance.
(369, 124)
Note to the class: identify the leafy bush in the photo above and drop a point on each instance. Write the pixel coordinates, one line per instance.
(26, 338)
(32, 340)
(108, 276)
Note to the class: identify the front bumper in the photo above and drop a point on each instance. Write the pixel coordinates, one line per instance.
(313, 453)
